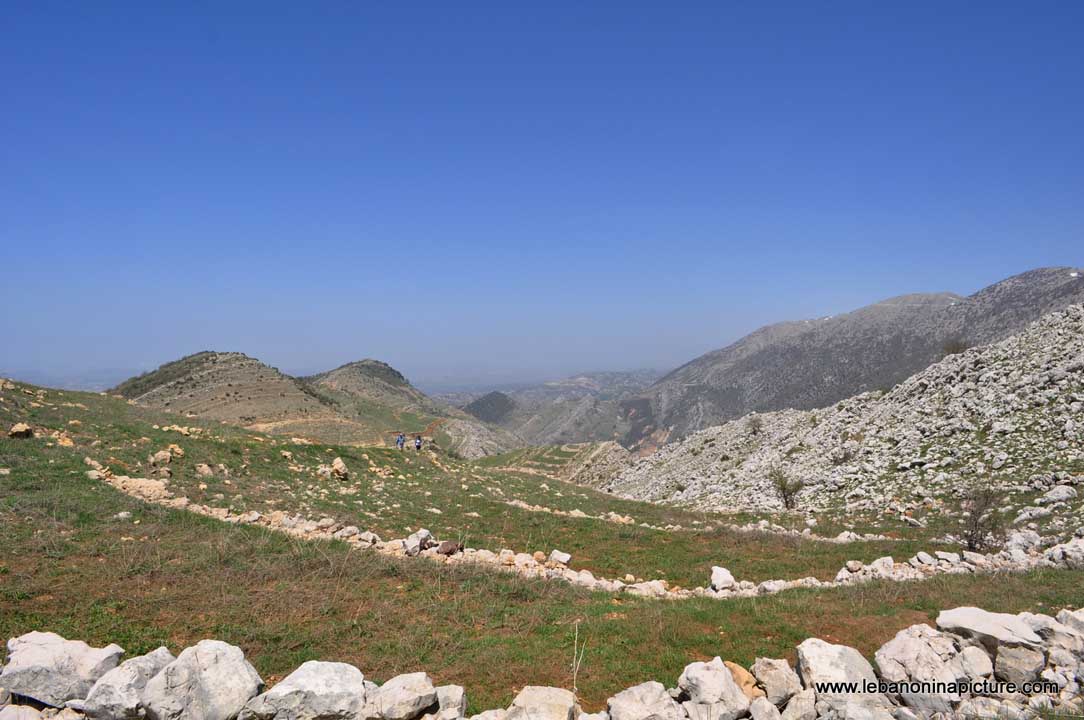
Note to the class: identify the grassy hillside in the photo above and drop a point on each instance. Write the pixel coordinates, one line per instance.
(168, 373)
(168, 576)
(394, 493)
(360, 403)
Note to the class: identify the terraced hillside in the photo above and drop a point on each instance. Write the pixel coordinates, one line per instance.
(590, 464)
(362, 403)
(86, 560)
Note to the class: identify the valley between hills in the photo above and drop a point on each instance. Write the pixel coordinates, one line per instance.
(217, 497)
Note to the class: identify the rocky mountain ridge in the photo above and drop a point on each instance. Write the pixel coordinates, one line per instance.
(813, 363)
(1008, 415)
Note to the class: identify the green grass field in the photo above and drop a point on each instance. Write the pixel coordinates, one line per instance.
(168, 576)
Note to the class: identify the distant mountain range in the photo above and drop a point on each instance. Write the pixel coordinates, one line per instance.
(78, 379)
(808, 364)
(580, 408)
(801, 364)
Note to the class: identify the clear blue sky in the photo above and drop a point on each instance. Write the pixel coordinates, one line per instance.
(505, 191)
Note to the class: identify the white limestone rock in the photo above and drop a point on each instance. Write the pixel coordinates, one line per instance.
(1072, 618)
(822, 662)
(721, 578)
(560, 558)
(406, 697)
(647, 701)
(418, 541)
(1061, 493)
(780, 681)
(315, 691)
(115, 696)
(712, 691)
(47, 668)
(452, 700)
(209, 681)
(802, 706)
(19, 712)
(920, 653)
(987, 628)
(972, 663)
(543, 703)
(1018, 664)
(763, 709)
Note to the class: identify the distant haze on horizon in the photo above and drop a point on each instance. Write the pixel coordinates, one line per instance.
(493, 194)
(527, 372)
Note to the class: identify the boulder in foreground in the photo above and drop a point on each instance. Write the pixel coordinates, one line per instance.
(209, 681)
(47, 668)
(315, 691)
(116, 694)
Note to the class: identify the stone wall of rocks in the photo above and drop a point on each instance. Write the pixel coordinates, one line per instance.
(46, 676)
(1023, 552)
(760, 526)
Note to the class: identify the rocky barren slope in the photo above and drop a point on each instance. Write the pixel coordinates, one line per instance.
(813, 363)
(1009, 415)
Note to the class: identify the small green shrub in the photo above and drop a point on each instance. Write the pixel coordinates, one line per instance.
(786, 487)
(982, 519)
